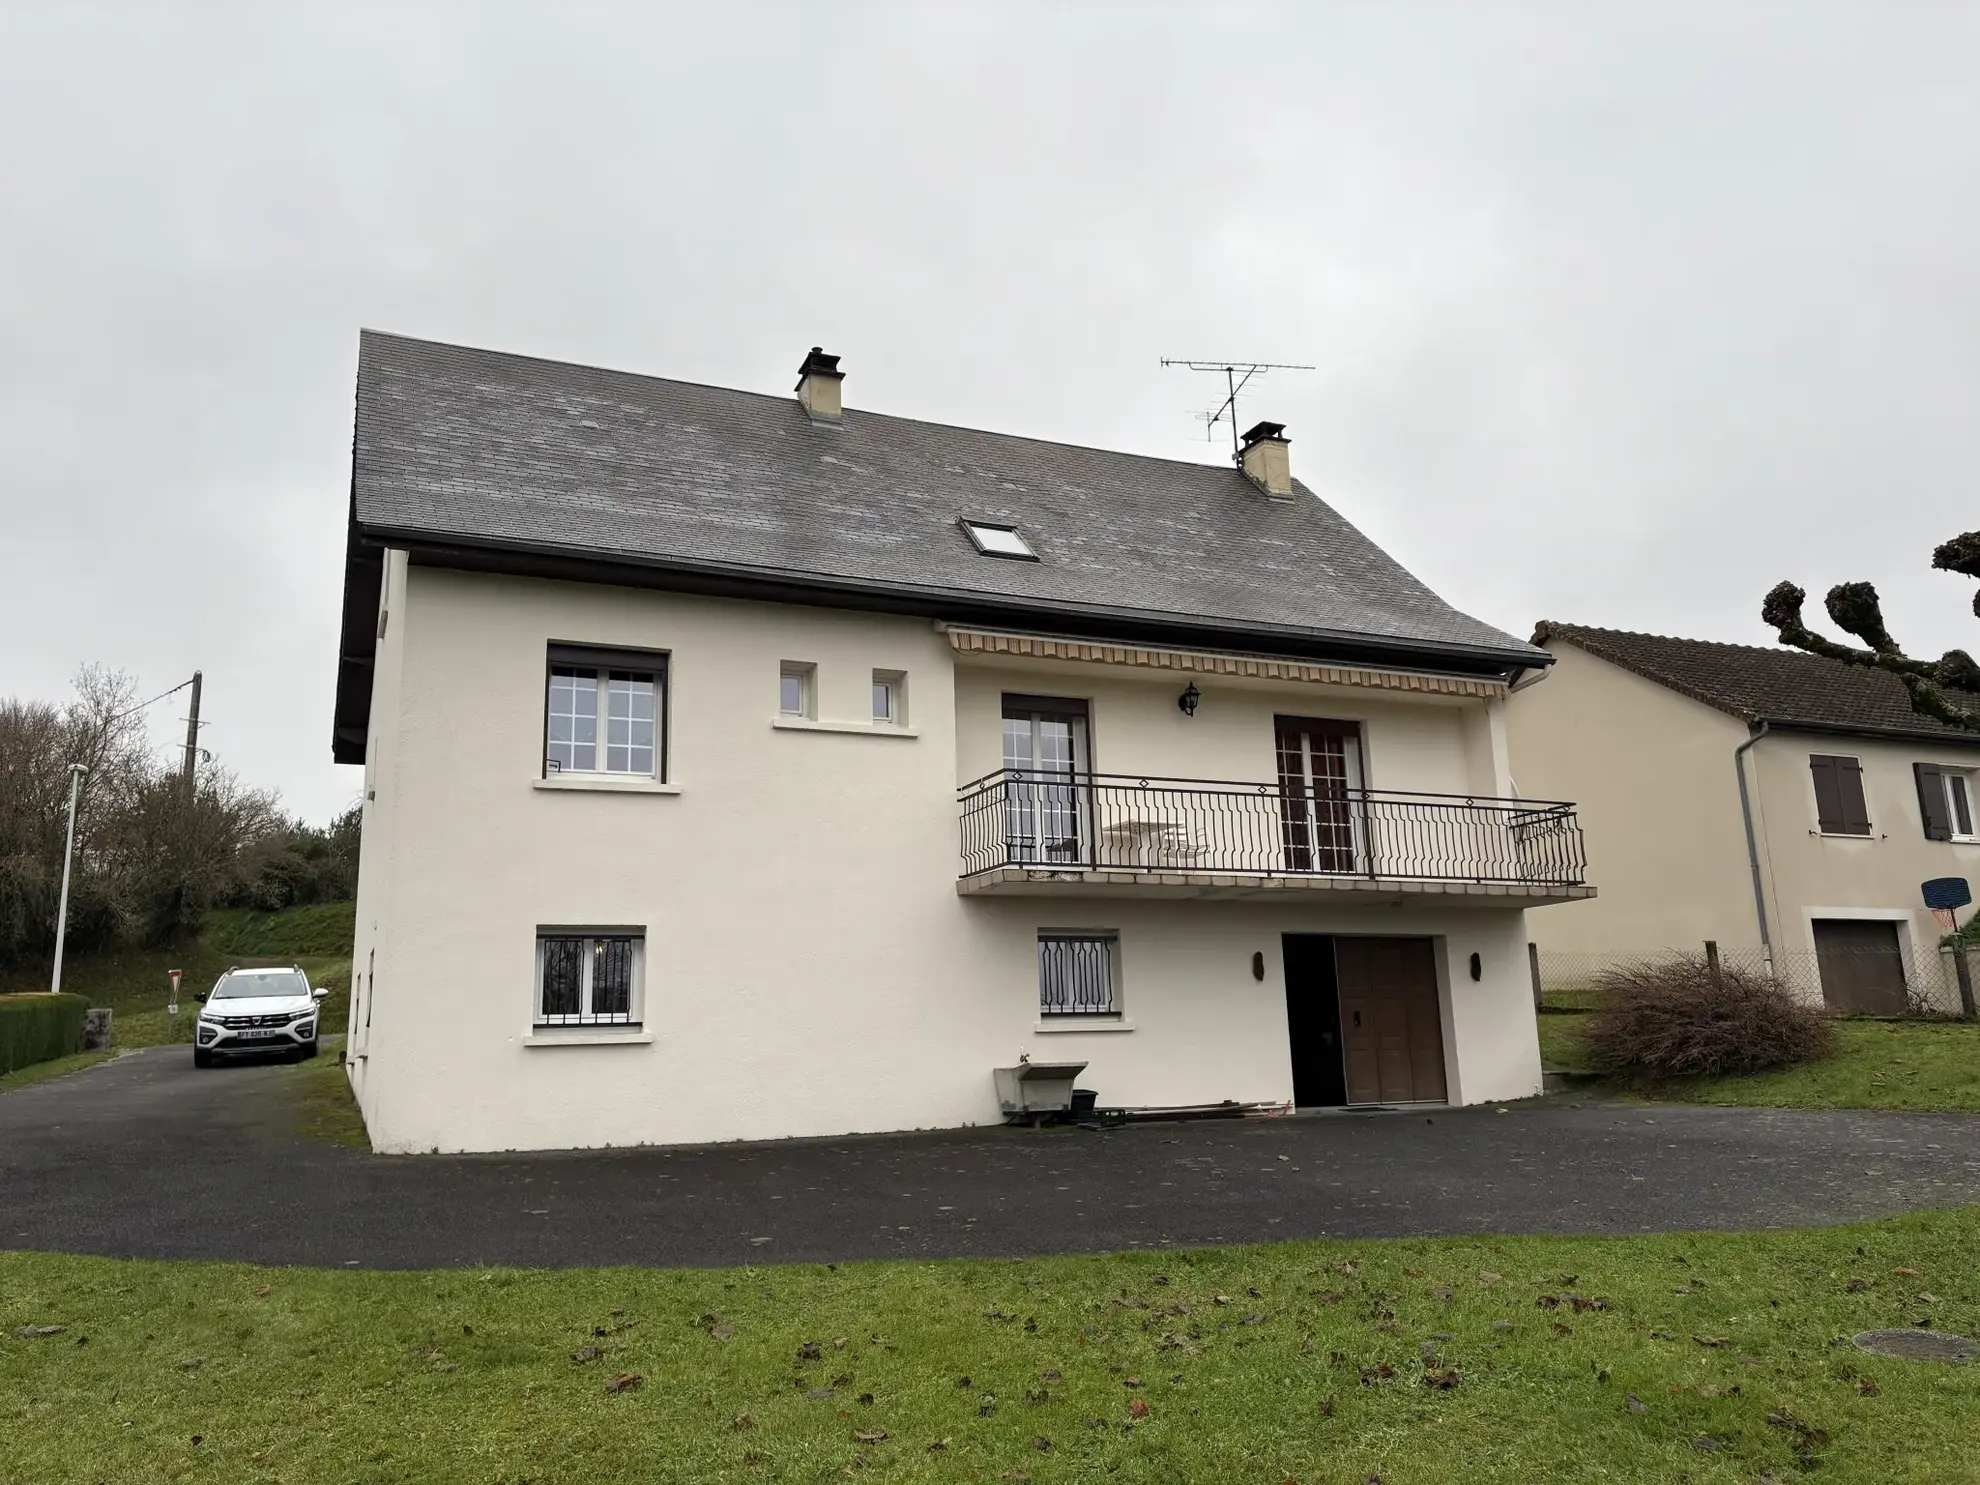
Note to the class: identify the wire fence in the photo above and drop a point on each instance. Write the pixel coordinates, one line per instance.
(1919, 982)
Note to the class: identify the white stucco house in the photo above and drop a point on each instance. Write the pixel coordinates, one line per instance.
(743, 766)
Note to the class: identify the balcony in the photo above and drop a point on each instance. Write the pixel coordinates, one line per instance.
(1039, 834)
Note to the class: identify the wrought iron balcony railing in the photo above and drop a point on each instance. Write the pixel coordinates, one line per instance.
(1116, 822)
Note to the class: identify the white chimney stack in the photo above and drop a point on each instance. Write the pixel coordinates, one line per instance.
(1267, 461)
(818, 387)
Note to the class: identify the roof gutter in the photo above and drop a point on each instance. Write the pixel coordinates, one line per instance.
(1752, 843)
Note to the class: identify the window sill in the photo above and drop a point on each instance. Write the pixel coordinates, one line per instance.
(1845, 834)
(1060, 1025)
(862, 729)
(599, 783)
(584, 1036)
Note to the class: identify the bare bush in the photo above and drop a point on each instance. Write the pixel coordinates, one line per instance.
(1681, 1017)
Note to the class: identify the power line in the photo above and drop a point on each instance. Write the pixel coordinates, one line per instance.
(133, 711)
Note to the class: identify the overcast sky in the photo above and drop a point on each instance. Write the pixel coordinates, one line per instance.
(1619, 313)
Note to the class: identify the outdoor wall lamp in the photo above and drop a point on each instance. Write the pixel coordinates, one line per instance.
(1477, 968)
(1188, 700)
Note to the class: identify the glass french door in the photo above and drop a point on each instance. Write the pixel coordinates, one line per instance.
(1046, 773)
(1321, 807)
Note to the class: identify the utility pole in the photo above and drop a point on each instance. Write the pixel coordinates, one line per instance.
(76, 772)
(192, 732)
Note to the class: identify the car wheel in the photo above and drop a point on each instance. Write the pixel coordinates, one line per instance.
(308, 1050)
(202, 1057)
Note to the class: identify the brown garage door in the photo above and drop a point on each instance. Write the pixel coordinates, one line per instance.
(1862, 967)
(1391, 1035)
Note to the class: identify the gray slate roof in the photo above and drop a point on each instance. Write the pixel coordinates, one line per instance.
(1788, 688)
(486, 448)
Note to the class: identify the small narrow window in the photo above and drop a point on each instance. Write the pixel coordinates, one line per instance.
(999, 541)
(795, 688)
(1076, 974)
(1959, 802)
(588, 978)
(603, 713)
(889, 688)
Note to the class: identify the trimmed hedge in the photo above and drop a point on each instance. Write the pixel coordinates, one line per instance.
(38, 1028)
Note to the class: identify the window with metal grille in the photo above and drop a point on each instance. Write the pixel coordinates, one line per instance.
(588, 979)
(1076, 974)
(605, 713)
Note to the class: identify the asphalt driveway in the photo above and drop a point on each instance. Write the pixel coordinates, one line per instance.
(145, 1157)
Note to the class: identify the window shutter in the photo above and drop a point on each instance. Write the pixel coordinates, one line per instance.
(1828, 795)
(1849, 784)
(1932, 800)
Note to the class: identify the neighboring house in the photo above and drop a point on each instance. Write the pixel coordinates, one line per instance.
(740, 766)
(1854, 800)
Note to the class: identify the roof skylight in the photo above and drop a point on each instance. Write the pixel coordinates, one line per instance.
(999, 541)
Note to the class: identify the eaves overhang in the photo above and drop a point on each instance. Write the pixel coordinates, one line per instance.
(733, 580)
(1807, 727)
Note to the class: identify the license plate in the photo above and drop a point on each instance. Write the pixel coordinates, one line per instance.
(258, 1034)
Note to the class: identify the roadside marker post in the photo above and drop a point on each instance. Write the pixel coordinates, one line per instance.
(172, 1005)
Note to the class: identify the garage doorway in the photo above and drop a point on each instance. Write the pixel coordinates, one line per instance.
(1363, 1020)
(1862, 966)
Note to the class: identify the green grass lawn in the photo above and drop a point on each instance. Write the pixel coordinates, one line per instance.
(1712, 1358)
(1877, 1065)
(1560, 1041)
(133, 983)
(318, 1100)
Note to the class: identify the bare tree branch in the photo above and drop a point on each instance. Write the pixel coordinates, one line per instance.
(1856, 610)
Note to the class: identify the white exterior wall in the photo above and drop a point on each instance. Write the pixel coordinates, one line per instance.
(810, 966)
(378, 843)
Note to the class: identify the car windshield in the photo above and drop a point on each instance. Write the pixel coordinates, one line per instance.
(239, 986)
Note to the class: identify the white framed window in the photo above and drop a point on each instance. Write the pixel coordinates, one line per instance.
(1958, 786)
(605, 713)
(590, 976)
(889, 698)
(797, 688)
(994, 540)
(1078, 973)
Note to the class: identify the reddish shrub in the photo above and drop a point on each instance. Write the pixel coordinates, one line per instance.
(1681, 1018)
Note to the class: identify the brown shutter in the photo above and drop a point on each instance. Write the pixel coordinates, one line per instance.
(1849, 784)
(1932, 800)
(1828, 795)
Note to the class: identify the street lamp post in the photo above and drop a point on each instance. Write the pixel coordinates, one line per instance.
(76, 772)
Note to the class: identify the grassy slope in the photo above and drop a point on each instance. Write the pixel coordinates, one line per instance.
(132, 982)
(1879, 1065)
(226, 1373)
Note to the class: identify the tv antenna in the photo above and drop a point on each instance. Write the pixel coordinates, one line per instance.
(1237, 375)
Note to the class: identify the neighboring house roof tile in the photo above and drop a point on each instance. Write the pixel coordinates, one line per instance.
(477, 446)
(1785, 687)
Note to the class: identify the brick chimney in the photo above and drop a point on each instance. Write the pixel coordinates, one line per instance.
(1265, 460)
(818, 387)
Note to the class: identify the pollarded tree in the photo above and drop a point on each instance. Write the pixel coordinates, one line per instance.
(1947, 689)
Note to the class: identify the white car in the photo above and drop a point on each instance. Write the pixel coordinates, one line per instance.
(256, 1010)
